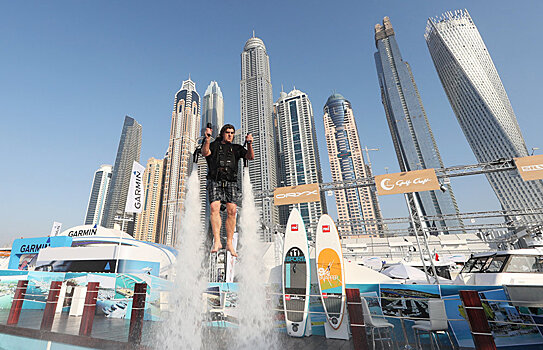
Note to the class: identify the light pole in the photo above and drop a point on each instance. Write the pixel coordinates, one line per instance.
(534, 149)
(424, 228)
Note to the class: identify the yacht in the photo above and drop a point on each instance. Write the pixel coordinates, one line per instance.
(506, 267)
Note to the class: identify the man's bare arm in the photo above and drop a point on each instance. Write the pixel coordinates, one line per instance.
(250, 155)
(205, 147)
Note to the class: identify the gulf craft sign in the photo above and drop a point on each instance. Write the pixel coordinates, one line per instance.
(411, 181)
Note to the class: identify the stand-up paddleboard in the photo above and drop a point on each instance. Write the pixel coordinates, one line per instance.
(330, 271)
(296, 276)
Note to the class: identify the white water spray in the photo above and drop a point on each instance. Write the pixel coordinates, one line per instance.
(182, 328)
(256, 329)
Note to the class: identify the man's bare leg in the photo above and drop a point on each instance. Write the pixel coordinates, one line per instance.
(231, 209)
(215, 218)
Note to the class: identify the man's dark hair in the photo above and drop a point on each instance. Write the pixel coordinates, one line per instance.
(226, 127)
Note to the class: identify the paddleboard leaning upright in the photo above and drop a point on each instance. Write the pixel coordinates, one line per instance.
(296, 276)
(330, 271)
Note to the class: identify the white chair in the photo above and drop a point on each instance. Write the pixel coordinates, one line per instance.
(376, 323)
(437, 324)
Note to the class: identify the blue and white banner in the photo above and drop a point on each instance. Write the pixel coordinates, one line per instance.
(134, 199)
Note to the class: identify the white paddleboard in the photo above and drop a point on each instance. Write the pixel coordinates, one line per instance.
(296, 276)
(330, 271)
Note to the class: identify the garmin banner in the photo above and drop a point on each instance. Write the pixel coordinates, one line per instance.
(134, 200)
(411, 181)
(530, 168)
(296, 194)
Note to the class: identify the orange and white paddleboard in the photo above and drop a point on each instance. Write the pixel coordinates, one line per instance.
(296, 276)
(330, 271)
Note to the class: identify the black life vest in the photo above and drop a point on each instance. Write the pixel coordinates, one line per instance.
(222, 163)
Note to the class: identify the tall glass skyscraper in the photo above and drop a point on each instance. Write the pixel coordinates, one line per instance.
(347, 163)
(129, 151)
(256, 102)
(97, 198)
(184, 133)
(213, 108)
(411, 134)
(299, 161)
(481, 105)
(212, 112)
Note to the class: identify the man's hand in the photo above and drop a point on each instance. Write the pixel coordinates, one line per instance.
(249, 139)
(250, 151)
(205, 146)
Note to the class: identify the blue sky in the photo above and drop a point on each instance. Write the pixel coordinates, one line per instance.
(71, 70)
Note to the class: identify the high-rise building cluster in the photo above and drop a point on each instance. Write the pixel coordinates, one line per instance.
(285, 141)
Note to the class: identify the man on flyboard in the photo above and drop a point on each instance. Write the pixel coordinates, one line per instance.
(222, 158)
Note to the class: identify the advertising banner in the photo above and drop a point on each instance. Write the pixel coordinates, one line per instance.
(411, 181)
(55, 230)
(134, 199)
(296, 194)
(530, 168)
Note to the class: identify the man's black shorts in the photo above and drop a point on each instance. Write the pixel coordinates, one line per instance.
(224, 191)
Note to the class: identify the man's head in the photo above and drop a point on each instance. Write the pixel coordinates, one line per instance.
(227, 133)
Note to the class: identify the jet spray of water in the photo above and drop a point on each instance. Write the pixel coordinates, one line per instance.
(182, 328)
(256, 329)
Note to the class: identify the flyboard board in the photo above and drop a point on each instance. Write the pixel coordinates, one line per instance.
(296, 277)
(331, 275)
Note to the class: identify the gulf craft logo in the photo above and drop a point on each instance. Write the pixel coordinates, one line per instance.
(388, 185)
(294, 227)
(411, 181)
(326, 228)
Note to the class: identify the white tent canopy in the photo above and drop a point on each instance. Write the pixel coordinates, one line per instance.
(404, 271)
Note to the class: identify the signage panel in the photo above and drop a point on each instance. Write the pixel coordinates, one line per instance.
(30, 247)
(134, 199)
(55, 230)
(530, 168)
(296, 194)
(411, 181)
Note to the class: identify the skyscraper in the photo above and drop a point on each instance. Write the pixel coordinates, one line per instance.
(299, 161)
(128, 152)
(213, 108)
(481, 105)
(97, 198)
(212, 112)
(184, 133)
(256, 102)
(411, 134)
(347, 163)
(148, 221)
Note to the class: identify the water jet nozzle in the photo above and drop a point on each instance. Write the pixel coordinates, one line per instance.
(245, 161)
